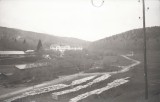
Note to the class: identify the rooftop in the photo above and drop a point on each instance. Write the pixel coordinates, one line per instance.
(11, 52)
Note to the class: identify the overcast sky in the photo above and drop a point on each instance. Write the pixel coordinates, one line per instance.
(78, 18)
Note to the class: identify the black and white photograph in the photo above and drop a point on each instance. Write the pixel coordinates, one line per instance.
(79, 50)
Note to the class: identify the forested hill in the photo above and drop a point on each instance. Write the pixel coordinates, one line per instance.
(16, 39)
(130, 40)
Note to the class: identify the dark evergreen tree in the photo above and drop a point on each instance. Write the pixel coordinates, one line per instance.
(39, 46)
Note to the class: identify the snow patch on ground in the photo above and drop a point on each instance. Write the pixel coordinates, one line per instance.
(97, 80)
(37, 91)
(79, 81)
(113, 84)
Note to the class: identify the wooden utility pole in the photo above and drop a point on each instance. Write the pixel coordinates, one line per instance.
(145, 52)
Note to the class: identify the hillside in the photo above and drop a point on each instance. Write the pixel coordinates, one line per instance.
(15, 39)
(130, 40)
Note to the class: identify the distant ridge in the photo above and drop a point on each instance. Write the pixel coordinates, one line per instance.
(13, 39)
(129, 40)
(16, 39)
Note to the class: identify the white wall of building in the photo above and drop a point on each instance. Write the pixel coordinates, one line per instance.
(64, 48)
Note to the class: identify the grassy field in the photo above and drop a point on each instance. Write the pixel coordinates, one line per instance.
(133, 91)
(109, 63)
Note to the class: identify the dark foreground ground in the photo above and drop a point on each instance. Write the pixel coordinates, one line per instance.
(133, 91)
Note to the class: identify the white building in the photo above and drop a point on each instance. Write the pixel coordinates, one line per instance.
(64, 48)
